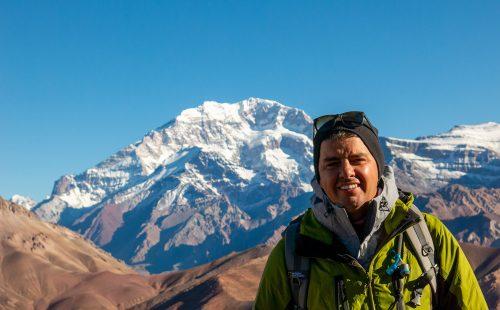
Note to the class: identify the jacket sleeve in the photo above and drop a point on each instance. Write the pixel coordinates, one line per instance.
(274, 291)
(458, 287)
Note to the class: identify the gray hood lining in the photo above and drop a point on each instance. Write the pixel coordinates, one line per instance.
(335, 218)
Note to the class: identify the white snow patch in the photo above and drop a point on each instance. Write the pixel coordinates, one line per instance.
(23, 201)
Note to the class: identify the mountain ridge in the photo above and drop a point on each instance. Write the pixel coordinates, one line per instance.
(225, 177)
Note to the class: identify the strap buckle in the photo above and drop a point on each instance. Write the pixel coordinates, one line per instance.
(422, 281)
(296, 277)
(417, 295)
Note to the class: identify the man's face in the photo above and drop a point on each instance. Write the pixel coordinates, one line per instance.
(348, 174)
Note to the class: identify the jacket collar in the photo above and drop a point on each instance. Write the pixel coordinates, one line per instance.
(316, 241)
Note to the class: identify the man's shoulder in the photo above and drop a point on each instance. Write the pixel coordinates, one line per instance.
(434, 223)
(278, 252)
(442, 237)
(311, 227)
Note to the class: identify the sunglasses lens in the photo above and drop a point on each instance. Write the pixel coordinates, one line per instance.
(350, 119)
(322, 120)
(353, 118)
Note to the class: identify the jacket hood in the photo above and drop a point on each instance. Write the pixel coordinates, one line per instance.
(336, 220)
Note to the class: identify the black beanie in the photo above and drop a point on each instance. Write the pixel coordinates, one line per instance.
(369, 138)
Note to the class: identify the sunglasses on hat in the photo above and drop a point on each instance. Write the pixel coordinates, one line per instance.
(351, 119)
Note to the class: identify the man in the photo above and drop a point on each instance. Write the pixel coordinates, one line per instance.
(356, 237)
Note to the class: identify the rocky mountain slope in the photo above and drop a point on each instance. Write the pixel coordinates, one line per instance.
(230, 282)
(226, 177)
(472, 214)
(48, 266)
(219, 178)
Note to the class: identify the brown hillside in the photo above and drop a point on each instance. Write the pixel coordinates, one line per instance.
(45, 265)
(231, 282)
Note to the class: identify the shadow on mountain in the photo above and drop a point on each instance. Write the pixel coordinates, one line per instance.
(486, 176)
(474, 229)
(215, 245)
(125, 239)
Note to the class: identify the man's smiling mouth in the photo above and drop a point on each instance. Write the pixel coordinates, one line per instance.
(348, 186)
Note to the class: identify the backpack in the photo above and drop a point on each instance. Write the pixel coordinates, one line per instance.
(298, 267)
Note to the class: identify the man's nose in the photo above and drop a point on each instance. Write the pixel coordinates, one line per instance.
(346, 170)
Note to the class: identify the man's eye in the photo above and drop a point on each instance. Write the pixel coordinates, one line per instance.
(332, 163)
(357, 161)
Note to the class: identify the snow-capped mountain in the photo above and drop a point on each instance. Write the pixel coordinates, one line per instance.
(466, 155)
(225, 177)
(26, 202)
(218, 178)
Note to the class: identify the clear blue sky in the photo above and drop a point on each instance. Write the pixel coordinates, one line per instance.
(79, 80)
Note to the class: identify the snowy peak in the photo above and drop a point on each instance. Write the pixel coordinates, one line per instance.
(474, 137)
(252, 141)
(258, 114)
(226, 130)
(212, 121)
(467, 154)
(24, 201)
(256, 153)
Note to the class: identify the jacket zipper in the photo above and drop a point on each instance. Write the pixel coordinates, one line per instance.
(396, 232)
(354, 262)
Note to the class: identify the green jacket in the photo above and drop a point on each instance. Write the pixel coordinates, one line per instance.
(371, 288)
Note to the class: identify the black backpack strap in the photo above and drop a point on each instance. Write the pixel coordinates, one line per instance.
(298, 268)
(397, 276)
(341, 293)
